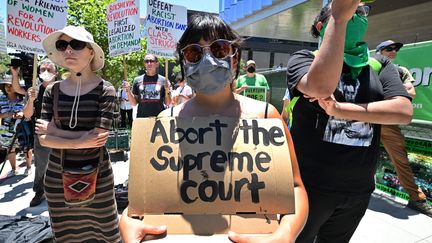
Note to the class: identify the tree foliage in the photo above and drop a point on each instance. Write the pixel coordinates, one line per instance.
(92, 15)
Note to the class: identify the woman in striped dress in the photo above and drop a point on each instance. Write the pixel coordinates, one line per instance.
(77, 133)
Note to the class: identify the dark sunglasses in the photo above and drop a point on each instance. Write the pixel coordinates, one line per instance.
(149, 61)
(363, 10)
(391, 48)
(61, 45)
(221, 48)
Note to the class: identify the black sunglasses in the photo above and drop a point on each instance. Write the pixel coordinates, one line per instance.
(363, 10)
(391, 48)
(77, 45)
(221, 48)
(149, 61)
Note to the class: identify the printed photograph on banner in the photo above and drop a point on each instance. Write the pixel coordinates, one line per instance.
(30, 21)
(165, 25)
(123, 22)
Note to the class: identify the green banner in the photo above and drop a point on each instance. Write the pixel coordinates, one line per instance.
(418, 59)
(256, 92)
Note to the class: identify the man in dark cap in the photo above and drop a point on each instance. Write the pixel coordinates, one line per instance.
(394, 141)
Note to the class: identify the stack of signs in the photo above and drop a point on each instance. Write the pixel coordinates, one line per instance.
(123, 27)
(227, 167)
(165, 25)
(30, 21)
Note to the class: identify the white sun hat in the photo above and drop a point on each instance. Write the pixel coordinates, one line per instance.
(77, 33)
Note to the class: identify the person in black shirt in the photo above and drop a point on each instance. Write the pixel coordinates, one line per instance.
(150, 91)
(336, 119)
(32, 109)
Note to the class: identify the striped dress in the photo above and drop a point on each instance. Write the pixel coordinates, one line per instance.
(97, 222)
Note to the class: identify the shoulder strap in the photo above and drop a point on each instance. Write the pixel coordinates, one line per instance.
(289, 109)
(375, 65)
(266, 110)
(56, 90)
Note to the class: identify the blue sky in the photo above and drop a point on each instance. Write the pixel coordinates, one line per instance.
(201, 5)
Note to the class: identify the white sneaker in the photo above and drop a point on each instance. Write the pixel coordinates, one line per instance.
(12, 173)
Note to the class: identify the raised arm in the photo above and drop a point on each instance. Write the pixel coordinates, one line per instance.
(15, 81)
(324, 73)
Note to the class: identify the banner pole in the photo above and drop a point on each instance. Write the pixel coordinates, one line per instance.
(35, 66)
(124, 68)
(166, 70)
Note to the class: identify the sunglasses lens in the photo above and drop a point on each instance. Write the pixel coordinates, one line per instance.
(77, 45)
(149, 61)
(61, 45)
(363, 10)
(192, 53)
(220, 48)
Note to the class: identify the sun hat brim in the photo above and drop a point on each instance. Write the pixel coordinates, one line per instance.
(77, 33)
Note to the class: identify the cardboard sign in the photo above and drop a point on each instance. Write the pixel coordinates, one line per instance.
(30, 21)
(256, 93)
(210, 165)
(123, 23)
(165, 25)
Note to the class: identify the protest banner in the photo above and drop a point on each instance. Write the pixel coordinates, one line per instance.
(165, 25)
(214, 165)
(30, 21)
(256, 93)
(416, 57)
(3, 48)
(123, 24)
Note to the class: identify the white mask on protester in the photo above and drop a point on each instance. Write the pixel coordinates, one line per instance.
(46, 76)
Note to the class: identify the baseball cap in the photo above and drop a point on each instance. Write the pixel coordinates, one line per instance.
(386, 43)
(250, 62)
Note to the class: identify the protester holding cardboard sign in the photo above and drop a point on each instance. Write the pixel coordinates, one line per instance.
(76, 116)
(335, 120)
(210, 54)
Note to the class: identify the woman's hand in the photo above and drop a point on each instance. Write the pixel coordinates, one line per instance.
(343, 10)
(240, 238)
(15, 71)
(94, 139)
(330, 105)
(134, 230)
(32, 93)
(43, 127)
(18, 115)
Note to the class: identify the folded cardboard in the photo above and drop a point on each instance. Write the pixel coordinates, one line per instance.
(209, 165)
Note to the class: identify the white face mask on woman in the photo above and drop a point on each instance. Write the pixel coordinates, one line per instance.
(46, 76)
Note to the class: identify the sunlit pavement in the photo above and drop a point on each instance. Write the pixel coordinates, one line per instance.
(387, 218)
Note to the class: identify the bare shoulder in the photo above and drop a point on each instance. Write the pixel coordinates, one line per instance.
(255, 108)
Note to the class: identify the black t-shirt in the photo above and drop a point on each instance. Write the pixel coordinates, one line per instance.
(338, 156)
(151, 94)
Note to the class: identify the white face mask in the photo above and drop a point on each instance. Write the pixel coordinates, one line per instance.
(46, 76)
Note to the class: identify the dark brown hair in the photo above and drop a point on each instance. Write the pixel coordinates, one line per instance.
(208, 27)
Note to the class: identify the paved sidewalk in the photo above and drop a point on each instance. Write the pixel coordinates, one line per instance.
(387, 218)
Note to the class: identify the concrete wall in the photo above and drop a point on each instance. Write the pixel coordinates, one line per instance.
(406, 25)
